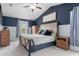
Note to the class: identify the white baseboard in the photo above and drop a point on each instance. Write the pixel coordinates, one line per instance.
(74, 48)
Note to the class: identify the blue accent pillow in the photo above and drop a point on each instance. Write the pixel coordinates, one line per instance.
(48, 32)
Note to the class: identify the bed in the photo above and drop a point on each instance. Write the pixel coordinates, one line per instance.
(34, 42)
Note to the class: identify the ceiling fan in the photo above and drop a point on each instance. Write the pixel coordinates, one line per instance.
(33, 6)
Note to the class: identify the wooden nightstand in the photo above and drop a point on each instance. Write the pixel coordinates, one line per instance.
(63, 42)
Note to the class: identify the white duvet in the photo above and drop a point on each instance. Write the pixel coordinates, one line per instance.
(39, 39)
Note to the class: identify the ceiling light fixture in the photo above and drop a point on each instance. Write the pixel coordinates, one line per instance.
(32, 7)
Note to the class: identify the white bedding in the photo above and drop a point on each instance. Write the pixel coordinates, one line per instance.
(39, 39)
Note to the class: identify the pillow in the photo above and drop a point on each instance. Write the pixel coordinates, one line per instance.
(40, 31)
(43, 32)
(53, 34)
(48, 32)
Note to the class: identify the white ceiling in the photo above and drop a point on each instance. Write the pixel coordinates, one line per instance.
(18, 11)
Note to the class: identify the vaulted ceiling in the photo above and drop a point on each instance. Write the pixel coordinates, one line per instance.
(18, 11)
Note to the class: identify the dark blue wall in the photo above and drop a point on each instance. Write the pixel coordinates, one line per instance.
(0, 15)
(62, 13)
(31, 23)
(13, 22)
(10, 21)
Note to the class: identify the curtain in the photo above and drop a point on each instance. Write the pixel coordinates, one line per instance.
(74, 31)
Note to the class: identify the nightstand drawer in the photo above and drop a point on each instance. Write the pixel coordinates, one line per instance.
(58, 42)
(4, 37)
(63, 42)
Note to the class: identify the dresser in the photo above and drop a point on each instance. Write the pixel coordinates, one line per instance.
(4, 37)
(63, 42)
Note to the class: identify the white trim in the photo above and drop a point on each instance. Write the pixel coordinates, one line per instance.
(74, 48)
(64, 30)
(0, 27)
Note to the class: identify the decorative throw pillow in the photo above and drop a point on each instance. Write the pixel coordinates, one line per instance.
(43, 32)
(40, 31)
(48, 32)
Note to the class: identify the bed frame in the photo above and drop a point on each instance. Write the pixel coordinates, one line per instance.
(31, 48)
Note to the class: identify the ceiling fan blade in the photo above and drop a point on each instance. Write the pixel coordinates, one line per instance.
(26, 6)
(38, 7)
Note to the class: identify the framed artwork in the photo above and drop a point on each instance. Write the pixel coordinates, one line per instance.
(49, 17)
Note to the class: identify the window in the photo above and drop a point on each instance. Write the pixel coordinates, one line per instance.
(23, 27)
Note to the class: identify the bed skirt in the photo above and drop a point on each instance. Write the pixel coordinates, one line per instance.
(41, 46)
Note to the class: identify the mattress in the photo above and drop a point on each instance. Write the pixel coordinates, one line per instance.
(39, 39)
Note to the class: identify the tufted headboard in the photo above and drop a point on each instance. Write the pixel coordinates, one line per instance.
(49, 26)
